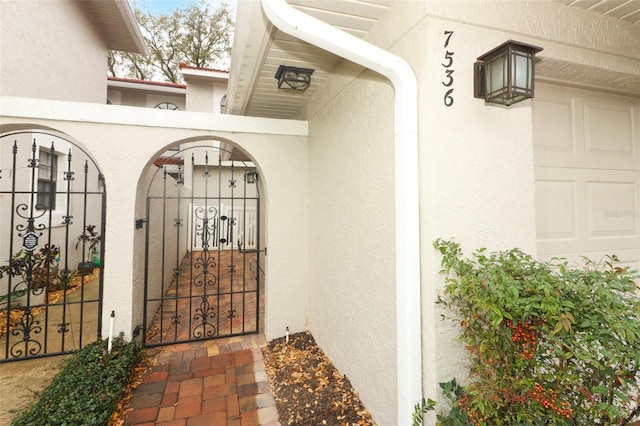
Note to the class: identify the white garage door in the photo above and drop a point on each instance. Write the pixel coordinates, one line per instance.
(587, 170)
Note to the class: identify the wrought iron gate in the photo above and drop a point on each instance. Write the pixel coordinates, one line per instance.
(202, 258)
(51, 258)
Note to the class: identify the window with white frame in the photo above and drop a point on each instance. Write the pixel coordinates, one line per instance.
(49, 184)
(223, 105)
(47, 180)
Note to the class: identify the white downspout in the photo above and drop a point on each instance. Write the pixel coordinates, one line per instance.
(408, 306)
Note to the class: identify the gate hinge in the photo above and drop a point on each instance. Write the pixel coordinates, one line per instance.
(140, 223)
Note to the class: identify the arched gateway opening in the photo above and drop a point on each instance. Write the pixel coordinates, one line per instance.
(203, 275)
(52, 219)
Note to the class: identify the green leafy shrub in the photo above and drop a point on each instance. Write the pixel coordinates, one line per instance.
(38, 269)
(546, 344)
(420, 409)
(87, 390)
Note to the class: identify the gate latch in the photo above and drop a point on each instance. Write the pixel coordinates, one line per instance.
(140, 223)
(246, 251)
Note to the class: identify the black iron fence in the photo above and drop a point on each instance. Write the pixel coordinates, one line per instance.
(202, 248)
(52, 218)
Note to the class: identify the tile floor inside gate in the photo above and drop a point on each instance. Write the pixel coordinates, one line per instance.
(216, 294)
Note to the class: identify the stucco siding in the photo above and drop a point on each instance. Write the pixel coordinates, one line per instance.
(352, 277)
(201, 97)
(124, 140)
(163, 249)
(476, 173)
(53, 53)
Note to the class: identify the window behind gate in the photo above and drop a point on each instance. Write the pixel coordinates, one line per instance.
(47, 171)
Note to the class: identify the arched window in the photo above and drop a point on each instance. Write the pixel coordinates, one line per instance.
(167, 105)
(223, 104)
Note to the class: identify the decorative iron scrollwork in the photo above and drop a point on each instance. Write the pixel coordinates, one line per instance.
(217, 293)
(205, 314)
(26, 326)
(206, 224)
(206, 262)
(36, 266)
(30, 232)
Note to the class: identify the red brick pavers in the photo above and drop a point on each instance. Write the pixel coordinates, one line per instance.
(206, 383)
(219, 303)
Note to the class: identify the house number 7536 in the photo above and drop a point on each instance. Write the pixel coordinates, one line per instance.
(448, 72)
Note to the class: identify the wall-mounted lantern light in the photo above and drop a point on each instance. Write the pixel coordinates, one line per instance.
(505, 75)
(293, 78)
(251, 177)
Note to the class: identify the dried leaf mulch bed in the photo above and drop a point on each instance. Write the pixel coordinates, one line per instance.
(124, 406)
(308, 389)
(16, 314)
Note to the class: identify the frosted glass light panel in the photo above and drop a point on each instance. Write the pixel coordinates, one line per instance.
(505, 75)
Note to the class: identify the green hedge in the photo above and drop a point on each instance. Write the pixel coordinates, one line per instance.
(87, 390)
(546, 344)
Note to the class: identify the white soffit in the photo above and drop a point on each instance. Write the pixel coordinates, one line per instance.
(625, 10)
(257, 94)
(117, 23)
(260, 48)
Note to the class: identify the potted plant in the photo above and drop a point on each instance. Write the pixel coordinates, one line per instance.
(90, 241)
(37, 269)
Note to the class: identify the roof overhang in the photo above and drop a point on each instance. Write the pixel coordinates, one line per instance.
(117, 23)
(204, 74)
(259, 48)
(145, 86)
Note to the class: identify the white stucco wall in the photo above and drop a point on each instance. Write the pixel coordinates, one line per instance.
(476, 173)
(204, 95)
(162, 236)
(329, 203)
(476, 176)
(145, 95)
(352, 280)
(124, 139)
(55, 34)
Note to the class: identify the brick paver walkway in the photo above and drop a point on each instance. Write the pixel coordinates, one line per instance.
(217, 303)
(208, 383)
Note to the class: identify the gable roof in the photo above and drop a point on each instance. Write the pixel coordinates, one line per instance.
(117, 23)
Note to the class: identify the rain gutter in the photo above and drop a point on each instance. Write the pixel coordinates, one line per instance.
(407, 228)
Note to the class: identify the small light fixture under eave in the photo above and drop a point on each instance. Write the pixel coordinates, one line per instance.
(251, 177)
(505, 75)
(293, 78)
